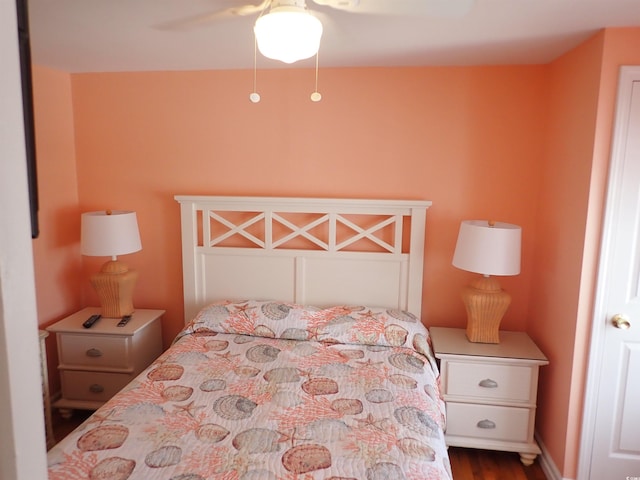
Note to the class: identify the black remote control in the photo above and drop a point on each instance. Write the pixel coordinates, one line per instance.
(91, 320)
(124, 320)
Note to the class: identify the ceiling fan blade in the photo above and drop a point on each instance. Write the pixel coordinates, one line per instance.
(250, 9)
(439, 8)
(210, 17)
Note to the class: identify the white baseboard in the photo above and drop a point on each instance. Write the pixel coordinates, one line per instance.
(547, 464)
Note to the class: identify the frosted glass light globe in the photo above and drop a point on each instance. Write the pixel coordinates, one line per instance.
(288, 34)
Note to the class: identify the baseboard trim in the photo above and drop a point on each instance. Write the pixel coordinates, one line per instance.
(547, 464)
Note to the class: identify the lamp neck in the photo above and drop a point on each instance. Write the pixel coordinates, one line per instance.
(486, 283)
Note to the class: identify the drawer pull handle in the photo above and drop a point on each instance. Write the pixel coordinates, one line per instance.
(96, 388)
(94, 352)
(487, 424)
(488, 383)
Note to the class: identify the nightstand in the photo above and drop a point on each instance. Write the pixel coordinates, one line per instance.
(95, 363)
(490, 390)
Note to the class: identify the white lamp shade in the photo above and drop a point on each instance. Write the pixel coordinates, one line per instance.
(488, 249)
(109, 233)
(288, 34)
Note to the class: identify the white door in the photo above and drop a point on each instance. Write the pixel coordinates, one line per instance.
(614, 396)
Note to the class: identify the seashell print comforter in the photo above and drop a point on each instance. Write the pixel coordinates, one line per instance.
(273, 391)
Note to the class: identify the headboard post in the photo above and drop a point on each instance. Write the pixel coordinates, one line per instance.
(416, 259)
(189, 232)
(335, 267)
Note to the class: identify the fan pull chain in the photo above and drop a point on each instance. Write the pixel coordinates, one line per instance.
(316, 96)
(254, 96)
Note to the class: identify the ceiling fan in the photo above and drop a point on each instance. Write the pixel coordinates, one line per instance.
(288, 31)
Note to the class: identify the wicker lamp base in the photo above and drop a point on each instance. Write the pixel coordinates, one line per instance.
(486, 304)
(114, 286)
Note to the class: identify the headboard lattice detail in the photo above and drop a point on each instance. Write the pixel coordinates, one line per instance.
(306, 230)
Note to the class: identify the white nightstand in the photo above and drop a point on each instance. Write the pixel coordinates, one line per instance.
(95, 363)
(490, 390)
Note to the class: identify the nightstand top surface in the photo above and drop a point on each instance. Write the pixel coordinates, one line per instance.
(453, 341)
(105, 326)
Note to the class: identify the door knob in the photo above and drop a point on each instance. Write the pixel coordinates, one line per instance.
(621, 321)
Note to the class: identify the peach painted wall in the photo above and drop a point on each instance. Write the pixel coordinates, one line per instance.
(469, 139)
(56, 251)
(583, 91)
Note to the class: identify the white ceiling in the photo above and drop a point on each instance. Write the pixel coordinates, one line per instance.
(139, 35)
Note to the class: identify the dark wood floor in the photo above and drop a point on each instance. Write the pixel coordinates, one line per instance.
(471, 464)
(466, 464)
(62, 427)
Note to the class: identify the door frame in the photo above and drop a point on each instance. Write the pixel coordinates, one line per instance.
(627, 75)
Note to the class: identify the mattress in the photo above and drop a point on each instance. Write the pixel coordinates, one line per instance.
(270, 390)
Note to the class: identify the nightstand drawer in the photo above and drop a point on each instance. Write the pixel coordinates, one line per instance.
(509, 424)
(489, 381)
(90, 351)
(92, 386)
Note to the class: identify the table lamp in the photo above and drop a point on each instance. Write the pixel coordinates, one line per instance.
(109, 234)
(487, 248)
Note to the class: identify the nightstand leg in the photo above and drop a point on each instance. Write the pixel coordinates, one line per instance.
(527, 458)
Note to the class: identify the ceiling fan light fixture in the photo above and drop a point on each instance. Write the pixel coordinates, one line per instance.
(288, 34)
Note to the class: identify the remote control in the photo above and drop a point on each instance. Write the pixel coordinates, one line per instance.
(124, 320)
(91, 320)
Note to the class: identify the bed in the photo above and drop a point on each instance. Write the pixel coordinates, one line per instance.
(302, 356)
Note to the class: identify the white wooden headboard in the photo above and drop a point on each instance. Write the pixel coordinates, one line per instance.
(304, 250)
